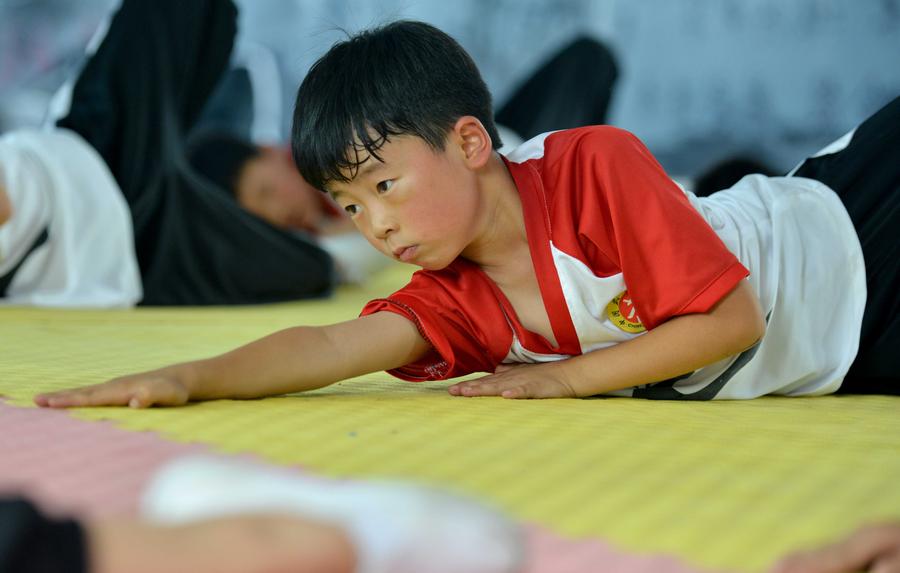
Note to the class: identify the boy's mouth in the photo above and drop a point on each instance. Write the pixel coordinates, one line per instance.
(406, 254)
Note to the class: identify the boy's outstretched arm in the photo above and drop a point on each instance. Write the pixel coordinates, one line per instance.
(682, 344)
(291, 360)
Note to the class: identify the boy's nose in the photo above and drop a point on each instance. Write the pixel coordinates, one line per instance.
(382, 224)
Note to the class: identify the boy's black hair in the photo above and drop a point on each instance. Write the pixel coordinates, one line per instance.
(220, 157)
(405, 78)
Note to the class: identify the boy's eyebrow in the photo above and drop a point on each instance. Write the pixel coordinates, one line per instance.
(368, 166)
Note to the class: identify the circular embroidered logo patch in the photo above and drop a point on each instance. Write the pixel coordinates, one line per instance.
(622, 313)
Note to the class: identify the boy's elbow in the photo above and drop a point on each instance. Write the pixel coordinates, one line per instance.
(756, 330)
(743, 313)
(753, 325)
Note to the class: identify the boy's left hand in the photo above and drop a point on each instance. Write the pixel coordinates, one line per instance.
(547, 380)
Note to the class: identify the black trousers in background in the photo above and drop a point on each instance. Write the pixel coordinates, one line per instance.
(866, 176)
(571, 89)
(33, 543)
(135, 101)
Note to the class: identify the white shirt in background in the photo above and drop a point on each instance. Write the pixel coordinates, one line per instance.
(58, 183)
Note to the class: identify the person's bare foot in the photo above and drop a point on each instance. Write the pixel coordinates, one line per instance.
(5, 206)
(874, 548)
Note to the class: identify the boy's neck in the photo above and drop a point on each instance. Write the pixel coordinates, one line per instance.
(499, 245)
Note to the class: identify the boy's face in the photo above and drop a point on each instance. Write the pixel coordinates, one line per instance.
(418, 206)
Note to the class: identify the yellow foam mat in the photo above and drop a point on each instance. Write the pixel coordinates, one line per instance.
(723, 485)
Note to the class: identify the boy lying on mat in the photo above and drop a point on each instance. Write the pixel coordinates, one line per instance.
(572, 267)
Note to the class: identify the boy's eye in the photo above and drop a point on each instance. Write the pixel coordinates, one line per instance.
(384, 186)
(352, 209)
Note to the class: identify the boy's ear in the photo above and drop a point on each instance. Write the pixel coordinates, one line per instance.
(473, 140)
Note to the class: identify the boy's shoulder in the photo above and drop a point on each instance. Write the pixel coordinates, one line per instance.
(575, 144)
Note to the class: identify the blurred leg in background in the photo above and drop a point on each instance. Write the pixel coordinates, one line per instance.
(208, 514)
(572, 89)
(135, 101)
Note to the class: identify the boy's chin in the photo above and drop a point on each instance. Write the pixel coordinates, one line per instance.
(429, 265)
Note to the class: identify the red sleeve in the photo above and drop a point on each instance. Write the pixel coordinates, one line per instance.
(457, 312)
(629, 214)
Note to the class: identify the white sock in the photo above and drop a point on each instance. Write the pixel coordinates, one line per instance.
(395, 528)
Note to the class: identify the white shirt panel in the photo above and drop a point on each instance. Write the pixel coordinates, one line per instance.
(806, 265)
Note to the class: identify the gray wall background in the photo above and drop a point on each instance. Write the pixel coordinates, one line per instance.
(701, 79)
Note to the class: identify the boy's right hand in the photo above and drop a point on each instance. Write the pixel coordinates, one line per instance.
(163, 387)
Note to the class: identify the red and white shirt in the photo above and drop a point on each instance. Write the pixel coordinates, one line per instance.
(618, 248)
